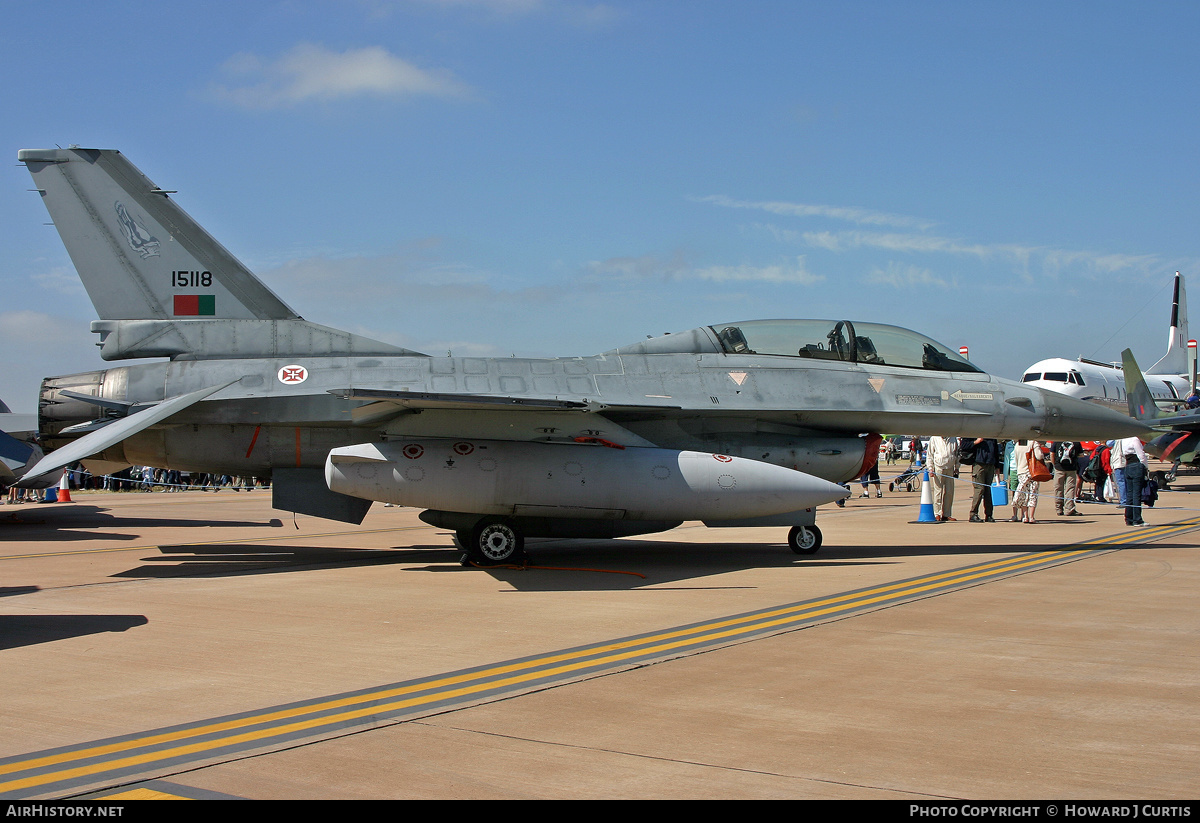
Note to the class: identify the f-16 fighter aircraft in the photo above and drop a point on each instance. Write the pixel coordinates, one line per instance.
(1178, 437)
(746, 423)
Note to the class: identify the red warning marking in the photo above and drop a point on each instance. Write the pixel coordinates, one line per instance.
(412, 451)
(253, 440)
(724, 458)
(600, 441)
(463, 448)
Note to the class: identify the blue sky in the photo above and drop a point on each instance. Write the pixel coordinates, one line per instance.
(562, 177)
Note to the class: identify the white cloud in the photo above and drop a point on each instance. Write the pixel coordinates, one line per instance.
(781, 273)
(652, 267)
(1026, 260)
(903, 276)
(645, 267)
(1049, 261)
(843, 240)
(60, 280)
(848, 213)
(312, 72)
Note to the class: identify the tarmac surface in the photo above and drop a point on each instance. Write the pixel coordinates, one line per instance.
(203, 645)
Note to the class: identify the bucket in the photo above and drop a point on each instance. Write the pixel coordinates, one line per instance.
(999, 493)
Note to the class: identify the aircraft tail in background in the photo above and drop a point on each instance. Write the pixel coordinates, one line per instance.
(1175, 361)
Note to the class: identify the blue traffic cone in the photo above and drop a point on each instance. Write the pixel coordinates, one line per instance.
(926, 515)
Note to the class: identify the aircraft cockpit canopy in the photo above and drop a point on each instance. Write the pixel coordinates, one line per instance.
(866, 343)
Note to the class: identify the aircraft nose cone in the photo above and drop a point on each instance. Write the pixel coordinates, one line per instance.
(1068, 418)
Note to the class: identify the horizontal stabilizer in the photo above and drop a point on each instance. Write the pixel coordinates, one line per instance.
(114, 433)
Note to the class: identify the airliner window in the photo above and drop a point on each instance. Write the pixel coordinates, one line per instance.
(1031, 377)
(1057, 376)
(1077, 378)
(841, 341)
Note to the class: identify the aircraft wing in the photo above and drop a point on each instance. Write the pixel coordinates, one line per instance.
(115, 432)
(386, 403)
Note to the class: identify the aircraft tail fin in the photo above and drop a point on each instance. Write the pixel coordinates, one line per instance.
(1175, 361)
(139, 255)
(1137, 393)
(161, 285)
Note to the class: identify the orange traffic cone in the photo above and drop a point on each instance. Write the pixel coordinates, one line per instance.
(64, 490)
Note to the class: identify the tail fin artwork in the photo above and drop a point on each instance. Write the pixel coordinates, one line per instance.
(1175, 361)
(1181, 442)
(161, 285)
(1137, 393)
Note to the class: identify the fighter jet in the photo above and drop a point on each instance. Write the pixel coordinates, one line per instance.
(1178, 432)
(742, 423)
(19, 450)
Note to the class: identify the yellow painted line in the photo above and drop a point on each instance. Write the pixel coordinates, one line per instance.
(143, 794)
(452, 686)
(641, 645)
(520, 673)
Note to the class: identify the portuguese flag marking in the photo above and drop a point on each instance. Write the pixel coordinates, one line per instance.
(195, 305)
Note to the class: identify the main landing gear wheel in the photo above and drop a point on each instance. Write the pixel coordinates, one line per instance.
(804, 539)
(494, 541)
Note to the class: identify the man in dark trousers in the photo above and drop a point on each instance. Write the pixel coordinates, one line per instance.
(1066, 476)
(988, 458)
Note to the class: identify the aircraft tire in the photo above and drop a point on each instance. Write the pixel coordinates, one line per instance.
(494, 541)
(804, 539)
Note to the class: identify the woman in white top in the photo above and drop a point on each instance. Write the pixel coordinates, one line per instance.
(1025, 500)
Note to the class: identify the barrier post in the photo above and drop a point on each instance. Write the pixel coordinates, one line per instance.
(926, 513)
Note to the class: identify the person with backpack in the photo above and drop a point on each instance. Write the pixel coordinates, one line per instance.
(1066, 476)
(1116, 462)
(983, 455)
(1134, 471)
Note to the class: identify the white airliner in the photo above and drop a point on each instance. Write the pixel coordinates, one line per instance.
(1104, 383)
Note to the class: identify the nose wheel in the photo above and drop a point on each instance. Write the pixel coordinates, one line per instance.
(804, 539)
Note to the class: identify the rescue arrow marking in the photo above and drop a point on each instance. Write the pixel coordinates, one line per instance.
(961, 395)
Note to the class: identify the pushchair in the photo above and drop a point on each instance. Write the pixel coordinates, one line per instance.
(908, 479)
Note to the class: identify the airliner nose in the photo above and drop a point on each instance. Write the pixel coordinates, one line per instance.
(1070, 419)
